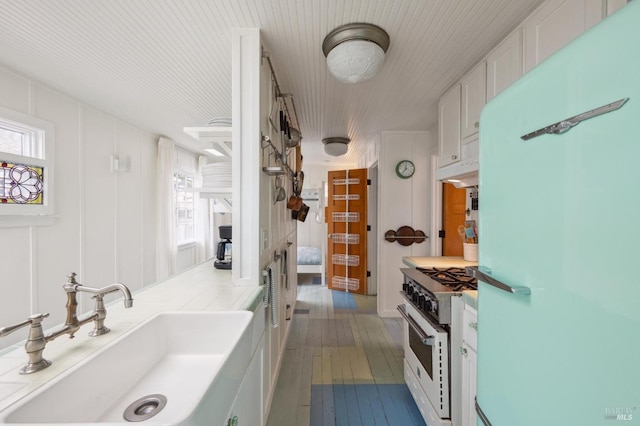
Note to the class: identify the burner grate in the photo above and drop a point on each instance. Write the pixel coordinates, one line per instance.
(455, 278)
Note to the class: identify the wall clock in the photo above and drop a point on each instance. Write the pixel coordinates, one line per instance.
(405, 169)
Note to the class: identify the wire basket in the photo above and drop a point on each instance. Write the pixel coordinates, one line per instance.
(346, 238)
(353, 181)
(350, 284)
(343, 197)
(345, 259)
(346, 216)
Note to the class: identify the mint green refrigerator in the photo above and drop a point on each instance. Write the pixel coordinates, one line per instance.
(559, 223)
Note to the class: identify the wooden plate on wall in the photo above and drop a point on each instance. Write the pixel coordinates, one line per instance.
(390, 236)
(407, 232)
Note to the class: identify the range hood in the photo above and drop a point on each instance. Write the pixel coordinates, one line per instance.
(462, 174)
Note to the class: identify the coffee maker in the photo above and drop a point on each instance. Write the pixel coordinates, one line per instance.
(223, 254)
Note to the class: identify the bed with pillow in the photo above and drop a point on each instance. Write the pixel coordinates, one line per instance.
(311, 235)
(310, 260)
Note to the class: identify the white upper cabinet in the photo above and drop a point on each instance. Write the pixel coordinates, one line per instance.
(554, 24)
(504, 64)
(550, 27)
(614, 5)
(474, 96)
(449, 127)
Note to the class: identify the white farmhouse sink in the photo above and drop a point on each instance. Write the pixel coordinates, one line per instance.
(194, 359)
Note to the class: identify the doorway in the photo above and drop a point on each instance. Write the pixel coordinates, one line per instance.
(372, 243)
(453, 215)
(346, 216)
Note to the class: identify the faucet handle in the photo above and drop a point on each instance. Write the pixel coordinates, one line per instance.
(35, 320)
(35, 332)
(71, 278)
(35, 345)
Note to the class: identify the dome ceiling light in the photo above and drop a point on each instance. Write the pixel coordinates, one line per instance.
(336, 146)
(355, 52)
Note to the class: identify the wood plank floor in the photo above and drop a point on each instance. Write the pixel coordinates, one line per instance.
(342, 364)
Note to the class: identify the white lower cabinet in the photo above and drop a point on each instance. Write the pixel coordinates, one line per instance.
(247, 406)
(469, 362)
(463, 363)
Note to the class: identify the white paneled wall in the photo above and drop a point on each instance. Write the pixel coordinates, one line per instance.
(401, 202)
(104, 229)
(255, 217)
(186, 257)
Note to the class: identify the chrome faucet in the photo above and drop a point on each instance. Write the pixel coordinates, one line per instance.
(37, 341)
(72, 324)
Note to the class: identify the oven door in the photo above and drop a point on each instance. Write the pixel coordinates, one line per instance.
(426, 350)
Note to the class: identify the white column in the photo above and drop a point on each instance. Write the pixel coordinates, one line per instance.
(245, 59)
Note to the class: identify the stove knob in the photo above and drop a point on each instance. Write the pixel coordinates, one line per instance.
(416, 299)
(427, 305)
(421, 301)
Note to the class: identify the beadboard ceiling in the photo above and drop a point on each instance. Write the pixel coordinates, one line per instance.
(166, 64)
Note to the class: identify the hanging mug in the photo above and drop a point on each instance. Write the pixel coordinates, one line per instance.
(302, 213)
(294, 203)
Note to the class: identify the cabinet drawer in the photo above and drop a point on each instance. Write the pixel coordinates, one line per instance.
(470, 327)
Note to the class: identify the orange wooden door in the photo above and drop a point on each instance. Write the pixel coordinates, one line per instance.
(453, 215)
(346, 216)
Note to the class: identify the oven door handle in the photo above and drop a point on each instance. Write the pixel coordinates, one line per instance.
(424, 337)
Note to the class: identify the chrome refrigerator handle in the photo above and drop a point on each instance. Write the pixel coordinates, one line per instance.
(481, 414)
(485, 276)
(567, 124)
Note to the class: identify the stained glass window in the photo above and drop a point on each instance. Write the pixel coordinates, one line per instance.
(27, 170)
(20, 183)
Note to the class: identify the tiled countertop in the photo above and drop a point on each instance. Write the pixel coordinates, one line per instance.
(437, 262)
(470, 297)
(202, 288)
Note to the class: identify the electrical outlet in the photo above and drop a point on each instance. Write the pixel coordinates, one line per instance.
(264, 237)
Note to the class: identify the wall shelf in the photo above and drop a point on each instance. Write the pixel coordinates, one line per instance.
(207, 192)
(222, 195)
(216, 137)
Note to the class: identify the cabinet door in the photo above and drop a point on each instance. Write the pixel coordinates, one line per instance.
(457, 309)
(469, 362)
(247, 408)
(449, 126)
(614, 5)
(556, 23)
(504, 64)
(470, 327)
(474, 95)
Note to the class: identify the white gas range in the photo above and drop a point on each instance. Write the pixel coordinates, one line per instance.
(427, 296)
